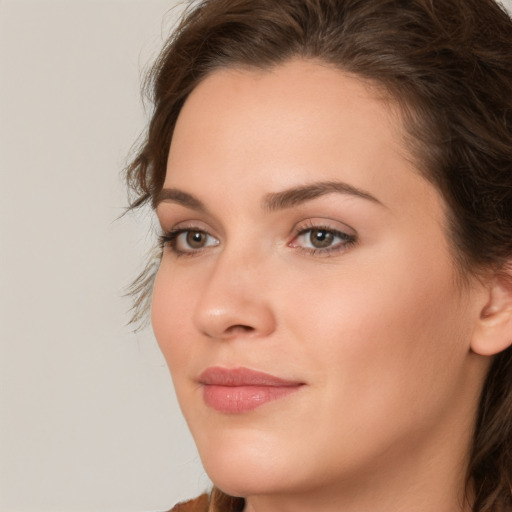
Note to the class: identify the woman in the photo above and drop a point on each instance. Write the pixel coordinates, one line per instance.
(333, 180)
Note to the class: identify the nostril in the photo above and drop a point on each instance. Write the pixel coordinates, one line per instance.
(234, 329)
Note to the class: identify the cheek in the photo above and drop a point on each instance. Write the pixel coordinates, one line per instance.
(383, 335)
(171, 308)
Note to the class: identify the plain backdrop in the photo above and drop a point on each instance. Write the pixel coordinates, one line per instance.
(88, 418)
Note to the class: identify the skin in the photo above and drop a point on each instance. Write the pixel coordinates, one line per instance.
(379, 331)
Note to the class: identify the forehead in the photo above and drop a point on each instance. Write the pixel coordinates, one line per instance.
(299, 93)
(303, 116)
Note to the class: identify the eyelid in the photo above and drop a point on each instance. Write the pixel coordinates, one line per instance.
(325, 223)
(171, 216)
(169, 237)
(346, 235)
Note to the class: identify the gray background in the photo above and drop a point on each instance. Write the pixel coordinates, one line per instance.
(88, 420)
(88, 417)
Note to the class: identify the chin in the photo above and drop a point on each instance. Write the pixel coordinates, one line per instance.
(252, 480)
(244, 467)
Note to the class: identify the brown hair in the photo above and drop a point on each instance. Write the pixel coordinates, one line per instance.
(448, 65)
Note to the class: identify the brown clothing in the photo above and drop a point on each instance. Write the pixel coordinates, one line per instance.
(217, 501)
(200, 504)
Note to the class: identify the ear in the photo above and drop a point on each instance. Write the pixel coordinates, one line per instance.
(494, 331)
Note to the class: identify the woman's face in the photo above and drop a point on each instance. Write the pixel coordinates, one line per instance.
(307, 303)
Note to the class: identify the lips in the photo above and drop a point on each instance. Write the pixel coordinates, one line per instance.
(239, 390)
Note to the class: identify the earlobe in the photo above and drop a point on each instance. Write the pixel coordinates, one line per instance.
(494, 331)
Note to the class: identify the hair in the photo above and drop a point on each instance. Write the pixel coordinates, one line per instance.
(448, 65)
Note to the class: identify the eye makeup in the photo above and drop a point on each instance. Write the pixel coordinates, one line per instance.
(310, 237)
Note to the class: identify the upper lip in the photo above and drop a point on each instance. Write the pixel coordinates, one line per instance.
(233, 377)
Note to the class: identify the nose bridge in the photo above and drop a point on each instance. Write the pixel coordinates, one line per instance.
(234, 300)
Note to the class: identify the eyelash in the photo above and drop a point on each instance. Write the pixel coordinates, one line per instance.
(346, 240)
(170, 238)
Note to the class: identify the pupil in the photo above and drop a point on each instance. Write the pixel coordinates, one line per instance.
(195, 239)
(321, 238)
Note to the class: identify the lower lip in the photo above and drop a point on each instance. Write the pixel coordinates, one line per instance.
(240, 399)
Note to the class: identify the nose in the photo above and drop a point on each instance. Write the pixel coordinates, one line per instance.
(235, 301)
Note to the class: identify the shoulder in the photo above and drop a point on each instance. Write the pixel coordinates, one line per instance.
(199, 504)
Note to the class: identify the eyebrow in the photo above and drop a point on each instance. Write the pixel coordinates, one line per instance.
(272, 201)
(174, 195)
(298, 195)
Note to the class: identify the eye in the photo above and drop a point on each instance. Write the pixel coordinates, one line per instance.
(193, 239)
(319, 239)
(188, 241)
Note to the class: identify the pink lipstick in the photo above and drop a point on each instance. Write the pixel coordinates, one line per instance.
(239, 390)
